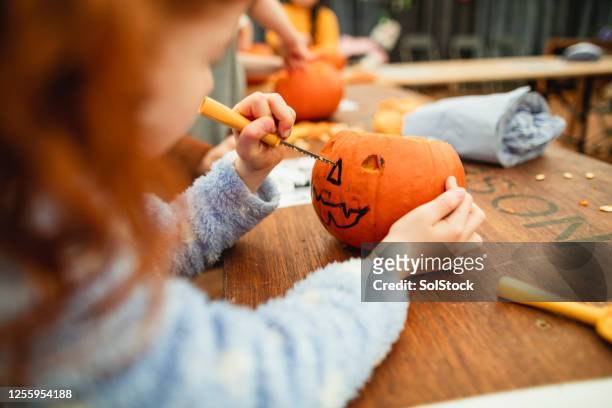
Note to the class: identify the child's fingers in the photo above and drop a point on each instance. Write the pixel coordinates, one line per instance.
(459, 217)
(451, 183)
(254, 106)
(258, 105)
(295, 62)
(256, 130)
(474, 220)
(283, 113)
(475, 238)
(279, 107)
(441, 206)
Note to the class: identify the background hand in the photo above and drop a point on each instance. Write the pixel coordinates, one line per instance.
(216, 153)
(295, 51)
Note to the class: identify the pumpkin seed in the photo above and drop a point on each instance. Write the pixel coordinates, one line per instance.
(543, 324)
(540, 177)
(606, 208)
(589, 175)
(568, 175)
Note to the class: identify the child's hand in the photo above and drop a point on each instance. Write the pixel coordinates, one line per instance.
(270, 114)
(216, 153)
(451, 217)
(295, 51)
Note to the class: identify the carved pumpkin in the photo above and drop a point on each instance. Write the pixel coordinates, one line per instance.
(314, 91)
(376, 180)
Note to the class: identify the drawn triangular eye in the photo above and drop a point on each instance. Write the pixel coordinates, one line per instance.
(335, 174)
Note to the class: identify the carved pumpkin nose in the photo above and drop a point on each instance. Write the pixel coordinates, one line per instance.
(372, 163)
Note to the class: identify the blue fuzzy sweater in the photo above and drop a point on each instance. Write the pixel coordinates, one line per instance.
(314, 347)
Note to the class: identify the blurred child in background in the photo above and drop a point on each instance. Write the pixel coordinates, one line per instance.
(230, 83)
(90, 294)
(316, 22)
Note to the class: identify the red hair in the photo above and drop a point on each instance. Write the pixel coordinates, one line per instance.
(72, 84)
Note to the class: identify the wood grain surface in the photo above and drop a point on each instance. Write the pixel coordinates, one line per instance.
(489, 69)
(454, 350)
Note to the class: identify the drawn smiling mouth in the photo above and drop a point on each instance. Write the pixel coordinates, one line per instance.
(344, 217)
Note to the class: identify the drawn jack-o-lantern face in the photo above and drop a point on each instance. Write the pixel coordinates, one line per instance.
(376, 180)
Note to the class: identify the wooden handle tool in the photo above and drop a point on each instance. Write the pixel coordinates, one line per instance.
(526, 294)
(220, 113)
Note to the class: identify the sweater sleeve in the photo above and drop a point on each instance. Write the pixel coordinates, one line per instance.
(315, 347)
(219, 208)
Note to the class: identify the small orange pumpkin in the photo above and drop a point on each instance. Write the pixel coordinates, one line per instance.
(376, 180)
(315, 91)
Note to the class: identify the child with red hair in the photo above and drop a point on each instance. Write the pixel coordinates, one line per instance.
(91, 298)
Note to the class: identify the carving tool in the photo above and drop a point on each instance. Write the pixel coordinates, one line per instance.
(218, 112)
(526, 294)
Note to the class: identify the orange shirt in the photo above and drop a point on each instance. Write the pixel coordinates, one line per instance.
(327, 33)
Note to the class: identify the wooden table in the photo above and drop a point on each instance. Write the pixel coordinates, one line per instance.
(501, 69)
(489, 70)
(454, 350)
